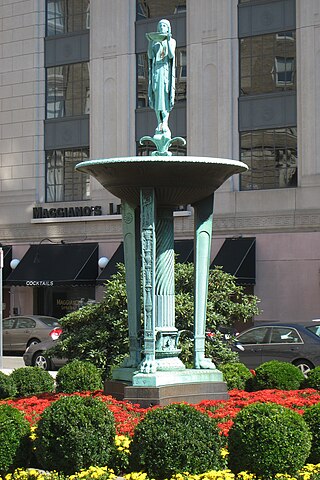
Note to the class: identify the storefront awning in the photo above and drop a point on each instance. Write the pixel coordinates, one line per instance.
(7, 257)
(237, 256)
(182, 248)
(50, 265)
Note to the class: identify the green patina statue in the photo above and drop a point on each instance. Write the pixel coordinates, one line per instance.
(161, 89)
(161, 55)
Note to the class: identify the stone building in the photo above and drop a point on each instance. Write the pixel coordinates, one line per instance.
(73, 86)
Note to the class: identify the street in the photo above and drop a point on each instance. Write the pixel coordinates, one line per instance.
(11, 362)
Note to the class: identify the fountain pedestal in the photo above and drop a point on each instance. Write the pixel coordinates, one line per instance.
(150, 188)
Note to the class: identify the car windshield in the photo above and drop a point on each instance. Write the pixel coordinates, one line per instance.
(50, 321)
(314, 329)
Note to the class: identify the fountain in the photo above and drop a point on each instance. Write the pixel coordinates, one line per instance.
(150, 187)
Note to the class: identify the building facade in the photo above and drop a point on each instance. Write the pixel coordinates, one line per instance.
(73, 86)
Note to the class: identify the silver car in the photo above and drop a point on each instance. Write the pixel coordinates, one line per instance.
(22, 331)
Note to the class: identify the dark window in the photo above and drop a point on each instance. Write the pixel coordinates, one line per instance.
(314, 329)
(8, 323)
(67, 16)
(267, 63)
(285, 335)
(154, 8)
(255, 336)
(143, 77)
(271, 156)
(68, 93)
(63, 183)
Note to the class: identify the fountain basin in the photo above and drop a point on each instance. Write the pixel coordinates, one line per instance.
(177, 180)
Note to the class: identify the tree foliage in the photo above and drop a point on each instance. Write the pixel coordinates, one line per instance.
(99, 332)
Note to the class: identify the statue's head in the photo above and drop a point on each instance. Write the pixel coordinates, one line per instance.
(164, 26)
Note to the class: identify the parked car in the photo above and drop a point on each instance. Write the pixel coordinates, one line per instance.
(298, 344)
(22, 331)
(36, 355)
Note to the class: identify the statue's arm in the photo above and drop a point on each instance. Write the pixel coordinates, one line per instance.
(171, 47)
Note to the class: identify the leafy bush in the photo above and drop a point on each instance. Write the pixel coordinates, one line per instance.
(173, 439)
(313, 379)
(266, 439)
(312, 418)
(14, 439)
(280, 375)
(236, 375)
(7, 386)
(73, 433)
(78, 376)
(31, 381)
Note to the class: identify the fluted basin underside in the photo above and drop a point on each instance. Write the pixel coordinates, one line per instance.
(176, 180)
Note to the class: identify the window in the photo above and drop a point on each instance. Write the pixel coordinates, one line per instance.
(267, 63)
(254, 336)
(143, 77)
(154, 8)
(284, 71)
(67, 16)
(63, 183)
(25, 323)
(285, 335)
(67, 90)
(271, 156)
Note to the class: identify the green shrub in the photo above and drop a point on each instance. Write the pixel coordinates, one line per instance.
(78, 376)
(313, 379)
(312, 419)
(266, 439)
(7, 386)
(15, 443)
(279, 375)
(73, 433)
(173, 439)
(32, 381)
(237, 375)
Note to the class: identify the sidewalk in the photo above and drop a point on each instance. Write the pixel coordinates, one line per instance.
(10, 363)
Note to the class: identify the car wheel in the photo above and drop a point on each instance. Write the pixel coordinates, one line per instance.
(41, 361)
(33, 341)
(304, 366)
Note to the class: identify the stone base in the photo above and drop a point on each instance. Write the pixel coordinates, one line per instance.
(147, 396)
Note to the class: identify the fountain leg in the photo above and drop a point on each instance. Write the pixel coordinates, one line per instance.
(166, 332)
(131, 240)
(148, 251)
(203, 213)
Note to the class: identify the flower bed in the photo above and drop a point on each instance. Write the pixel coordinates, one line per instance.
(128, 415)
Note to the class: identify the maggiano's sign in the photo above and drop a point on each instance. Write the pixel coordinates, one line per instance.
(39, 212)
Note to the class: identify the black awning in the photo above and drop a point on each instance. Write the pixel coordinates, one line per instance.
(7, 257)
(51, 265)
(183, 249)
(237, 256)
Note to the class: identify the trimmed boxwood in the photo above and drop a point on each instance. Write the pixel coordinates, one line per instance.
(266, 439)
(312, 418)
(73, 433)
(78, 376)
(173, 439)
(7, 386)
(237, 375)
(278, 375)
(32, 381)
(15, 443)
(313, 379)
